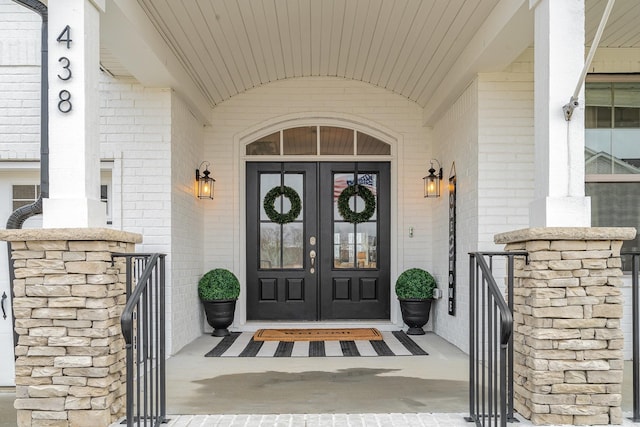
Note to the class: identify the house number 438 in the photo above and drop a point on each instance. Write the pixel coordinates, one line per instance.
(64, 96)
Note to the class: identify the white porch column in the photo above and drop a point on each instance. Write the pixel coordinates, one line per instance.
(559, 145)
(74, 152)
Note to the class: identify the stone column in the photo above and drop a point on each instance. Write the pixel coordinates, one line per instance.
(70, 366)
(567, 339)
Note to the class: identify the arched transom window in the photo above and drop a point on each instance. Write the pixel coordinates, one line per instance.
(318, 140)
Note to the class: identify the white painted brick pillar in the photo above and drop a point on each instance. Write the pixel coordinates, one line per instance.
(559, 144)
(74, 145)
(568, 361)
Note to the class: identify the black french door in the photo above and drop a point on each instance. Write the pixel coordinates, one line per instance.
(319, 265)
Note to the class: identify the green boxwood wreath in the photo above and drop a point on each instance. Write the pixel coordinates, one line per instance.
(345, 209)
(294, 199)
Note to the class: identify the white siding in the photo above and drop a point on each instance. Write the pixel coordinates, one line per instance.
(616, 61)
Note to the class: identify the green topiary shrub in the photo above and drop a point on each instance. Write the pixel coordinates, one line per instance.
(415, 283)
(218, 284)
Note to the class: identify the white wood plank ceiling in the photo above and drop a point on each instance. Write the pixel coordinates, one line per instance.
(406, 46)
(228, 47)
(623, 26)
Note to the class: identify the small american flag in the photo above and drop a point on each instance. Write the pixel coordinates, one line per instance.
(342, 181)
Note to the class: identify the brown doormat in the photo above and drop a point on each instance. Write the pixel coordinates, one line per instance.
(290, 335)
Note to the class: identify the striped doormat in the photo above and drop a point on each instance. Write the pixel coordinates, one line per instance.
(242, 344)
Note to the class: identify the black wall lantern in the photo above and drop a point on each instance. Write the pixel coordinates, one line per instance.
(204, 182)
(432, 181)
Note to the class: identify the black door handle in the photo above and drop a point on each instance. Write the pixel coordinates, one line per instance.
(4, 297)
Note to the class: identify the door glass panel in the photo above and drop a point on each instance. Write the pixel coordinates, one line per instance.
(369, 180)
(354, 245)
(293, 245)
(336, 141)
(366, 245)
(295, 181)
(270, 245)
(340, 182)
(343, 245)
(368, 145)
(300, 141)
(268, 145)
(343, 180)
(267, 182)
(281, 245)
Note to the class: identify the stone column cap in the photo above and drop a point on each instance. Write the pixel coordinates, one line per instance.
(72, 234)
(566, 233)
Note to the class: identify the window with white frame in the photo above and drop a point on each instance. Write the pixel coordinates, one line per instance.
(612, 151)
(104, 197)
(25, 195)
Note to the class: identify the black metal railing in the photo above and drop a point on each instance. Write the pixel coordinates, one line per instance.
(143, 328)
(490, 341)
(634, 258)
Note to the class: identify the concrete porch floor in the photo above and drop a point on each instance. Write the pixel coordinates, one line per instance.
(303, 385)
(395, 391)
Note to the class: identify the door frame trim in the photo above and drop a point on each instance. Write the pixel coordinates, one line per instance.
(270, 126)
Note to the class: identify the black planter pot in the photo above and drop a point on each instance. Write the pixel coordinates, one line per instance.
(220, 315)
(415, 313)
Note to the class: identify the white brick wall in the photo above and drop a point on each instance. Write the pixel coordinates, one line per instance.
(187, 219)
(506, 142)
(326, 96)
(135, 131)
(505, 157)
(19, 112)
(19, 35)
(456, 136)
(506, 153)
(19, 82)
(488, 132)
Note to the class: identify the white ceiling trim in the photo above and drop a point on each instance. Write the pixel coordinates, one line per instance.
(129, 36)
